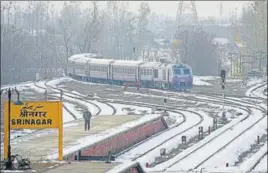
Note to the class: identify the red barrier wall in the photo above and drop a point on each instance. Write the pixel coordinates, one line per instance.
(123, 140)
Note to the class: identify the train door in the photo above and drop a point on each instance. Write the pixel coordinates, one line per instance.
(155, 73)
(168, 78)
(110, 70)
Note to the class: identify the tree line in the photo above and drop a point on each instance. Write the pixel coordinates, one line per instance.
(254, 21)
(39, 37)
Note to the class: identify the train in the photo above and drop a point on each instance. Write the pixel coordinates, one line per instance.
(94, 68)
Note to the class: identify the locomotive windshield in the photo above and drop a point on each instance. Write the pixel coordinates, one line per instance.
(177, 71)
(186, 71)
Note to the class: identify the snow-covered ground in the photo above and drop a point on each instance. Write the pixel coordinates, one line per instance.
(241, 144)
(197, 155)
(207, 150)
(67, 117)
(262, 166)
(192, 120)
(201, 80)
(257, 92)
(250, 162)
(230, 152)
(254, 81)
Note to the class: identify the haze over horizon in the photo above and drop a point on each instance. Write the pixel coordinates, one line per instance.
(167, 8)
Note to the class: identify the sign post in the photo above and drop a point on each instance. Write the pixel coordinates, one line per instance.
(34, 115)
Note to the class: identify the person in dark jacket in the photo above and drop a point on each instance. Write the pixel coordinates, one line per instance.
(87, 117)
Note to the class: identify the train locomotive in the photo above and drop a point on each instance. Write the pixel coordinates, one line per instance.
(93, 68)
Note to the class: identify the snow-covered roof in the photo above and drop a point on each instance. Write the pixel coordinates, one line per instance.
(220, 41)
(162, 42)
(126, 62)
(100, 61)
(154, 64)
(240, 45)
(83, 58)
(151, 64)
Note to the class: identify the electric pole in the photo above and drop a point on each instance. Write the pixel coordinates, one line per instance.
(223, 75)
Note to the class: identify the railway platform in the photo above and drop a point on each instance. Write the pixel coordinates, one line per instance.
(82, 167)
(43, 143)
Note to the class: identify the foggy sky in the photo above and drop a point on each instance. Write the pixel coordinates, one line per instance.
(169, 8)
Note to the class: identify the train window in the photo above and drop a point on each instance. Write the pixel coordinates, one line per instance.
(141, 71)
(164, 74)
(155, 73)
(147, 72)
(177, 71)
(150, 72)
(186, 71)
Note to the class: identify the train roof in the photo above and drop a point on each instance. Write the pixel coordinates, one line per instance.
(182, 65)
(83, 58)
(153, 64)
(126, 62)
(100, 61)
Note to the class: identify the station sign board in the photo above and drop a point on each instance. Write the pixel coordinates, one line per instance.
(34, 115)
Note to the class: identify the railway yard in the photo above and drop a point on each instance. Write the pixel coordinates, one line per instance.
(235, 144)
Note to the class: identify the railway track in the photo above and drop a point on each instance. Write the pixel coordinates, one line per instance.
(170, 109)
(217, 99)
(95, 105)
(71, 95)
(207, 143)
(256, 163)
(259, 87)
(146, 104)
(220, 149)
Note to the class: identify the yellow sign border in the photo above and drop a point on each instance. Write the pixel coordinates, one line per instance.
(60, 127)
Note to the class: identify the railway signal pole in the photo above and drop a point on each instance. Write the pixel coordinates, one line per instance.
(223, 89)
(165, 101)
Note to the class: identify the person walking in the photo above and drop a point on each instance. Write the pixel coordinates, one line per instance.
(87, 117)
